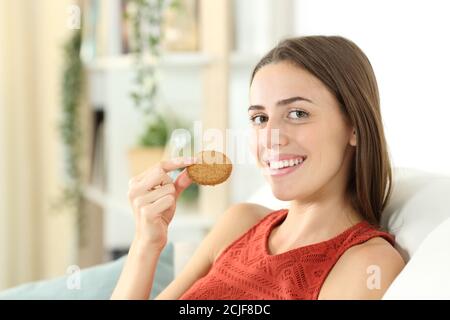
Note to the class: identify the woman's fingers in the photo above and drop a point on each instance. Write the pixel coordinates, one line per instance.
(167, 166)
(154, 179)
(181, 183)
(154, 184)
(138, 177)
(157, 175)
(177, 163)
(159, 206)
(154, 195)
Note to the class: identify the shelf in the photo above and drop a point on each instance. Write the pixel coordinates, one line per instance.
(173, 60)
(178, 60)
(103, 200)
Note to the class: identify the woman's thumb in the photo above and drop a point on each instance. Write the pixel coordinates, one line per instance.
(182, 182)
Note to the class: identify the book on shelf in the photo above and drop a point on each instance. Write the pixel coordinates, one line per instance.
(90, 12)
(98, 23)
(126, 28)
(107, 27)
(179, 26)
(98, 164)
(104, 27)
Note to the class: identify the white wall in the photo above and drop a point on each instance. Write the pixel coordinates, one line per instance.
(408, 44)
(260, 24)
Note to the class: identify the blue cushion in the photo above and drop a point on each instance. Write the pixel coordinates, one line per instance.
(96, 283)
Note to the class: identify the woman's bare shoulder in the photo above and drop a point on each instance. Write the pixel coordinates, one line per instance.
(237, 220)
(243, 215)
(364, 271)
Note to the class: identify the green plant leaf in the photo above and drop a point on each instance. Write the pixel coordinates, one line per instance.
(156, 133)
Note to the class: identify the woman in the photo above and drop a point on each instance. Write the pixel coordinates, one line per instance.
(329, 159)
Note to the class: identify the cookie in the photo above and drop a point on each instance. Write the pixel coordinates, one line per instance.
(213, 168)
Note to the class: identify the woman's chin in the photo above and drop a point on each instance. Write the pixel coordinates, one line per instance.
(283, 194)
(289, 192)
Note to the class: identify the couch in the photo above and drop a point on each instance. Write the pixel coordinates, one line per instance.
(95, 283)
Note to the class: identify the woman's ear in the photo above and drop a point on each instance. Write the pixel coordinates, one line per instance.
(353, 138)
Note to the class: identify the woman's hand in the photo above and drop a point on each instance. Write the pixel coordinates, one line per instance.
(153, 195)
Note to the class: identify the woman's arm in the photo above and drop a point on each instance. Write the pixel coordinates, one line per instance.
(152, 195)
(137, 276)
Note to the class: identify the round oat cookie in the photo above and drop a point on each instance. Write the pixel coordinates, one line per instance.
(213, 168)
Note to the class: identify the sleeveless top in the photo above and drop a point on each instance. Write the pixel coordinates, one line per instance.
(247, 271)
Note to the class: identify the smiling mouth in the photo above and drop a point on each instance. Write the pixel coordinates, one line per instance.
(282, 167)
(281, 164)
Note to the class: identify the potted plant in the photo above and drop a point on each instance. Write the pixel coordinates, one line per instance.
(151, 145)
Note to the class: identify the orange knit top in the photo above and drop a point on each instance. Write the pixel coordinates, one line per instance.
(246, 270)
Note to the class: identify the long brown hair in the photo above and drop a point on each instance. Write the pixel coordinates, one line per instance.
(346, 71)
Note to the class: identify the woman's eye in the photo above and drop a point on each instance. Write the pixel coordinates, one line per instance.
(297, 114)
(258, 119)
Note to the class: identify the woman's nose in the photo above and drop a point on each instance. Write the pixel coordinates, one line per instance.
(274, 136)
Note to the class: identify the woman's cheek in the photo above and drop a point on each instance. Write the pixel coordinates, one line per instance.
(309, 140)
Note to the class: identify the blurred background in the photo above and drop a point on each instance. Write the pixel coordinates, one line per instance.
(91, 92)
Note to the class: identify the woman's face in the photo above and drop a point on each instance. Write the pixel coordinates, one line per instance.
(310, 128)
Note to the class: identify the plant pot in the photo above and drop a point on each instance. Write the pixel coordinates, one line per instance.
(140, 158)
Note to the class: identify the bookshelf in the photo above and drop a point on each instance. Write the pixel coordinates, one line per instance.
(191, 82)
(172, 60)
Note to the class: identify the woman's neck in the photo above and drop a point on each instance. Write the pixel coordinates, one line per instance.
(312, 222)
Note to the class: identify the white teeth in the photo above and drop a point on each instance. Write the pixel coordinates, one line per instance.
(285, 163)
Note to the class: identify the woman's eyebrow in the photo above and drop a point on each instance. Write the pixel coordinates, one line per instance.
(281, 103)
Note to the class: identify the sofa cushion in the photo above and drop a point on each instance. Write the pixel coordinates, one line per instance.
(96, 283)
(425, 276)
(420, 202)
